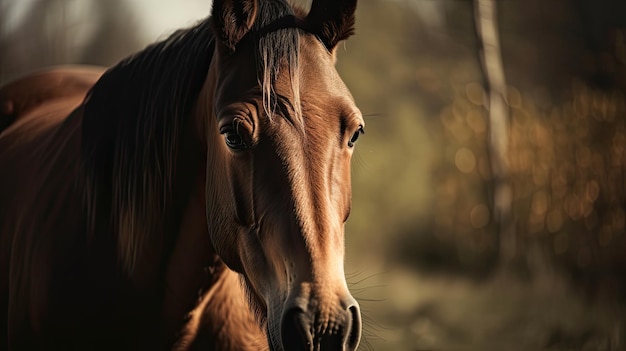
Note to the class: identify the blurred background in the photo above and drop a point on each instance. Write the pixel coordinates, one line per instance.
(489, 190)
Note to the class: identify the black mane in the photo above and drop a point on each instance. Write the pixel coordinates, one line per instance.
(130, 133)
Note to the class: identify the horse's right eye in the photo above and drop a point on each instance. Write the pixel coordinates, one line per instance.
(234, 140)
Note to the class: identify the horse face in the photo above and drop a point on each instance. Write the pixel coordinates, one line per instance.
(284, 192)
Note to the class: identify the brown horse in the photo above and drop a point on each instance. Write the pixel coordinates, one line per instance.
(191, 197)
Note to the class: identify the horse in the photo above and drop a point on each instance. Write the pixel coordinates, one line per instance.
(191, 197)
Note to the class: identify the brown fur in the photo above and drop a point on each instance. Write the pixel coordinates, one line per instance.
(126, 222)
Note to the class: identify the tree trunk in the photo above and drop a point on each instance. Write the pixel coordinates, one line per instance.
(485, 16)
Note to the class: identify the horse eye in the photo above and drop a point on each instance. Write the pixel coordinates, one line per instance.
(234, 140)
(355, 136)
(233, 135)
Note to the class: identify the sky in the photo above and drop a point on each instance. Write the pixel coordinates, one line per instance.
(158, 18)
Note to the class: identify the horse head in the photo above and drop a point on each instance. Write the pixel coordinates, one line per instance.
(280, 137)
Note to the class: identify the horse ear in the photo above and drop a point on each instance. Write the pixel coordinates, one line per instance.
(232, 19)
(332, 20)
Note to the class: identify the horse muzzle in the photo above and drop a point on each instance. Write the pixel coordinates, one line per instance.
(323, 328)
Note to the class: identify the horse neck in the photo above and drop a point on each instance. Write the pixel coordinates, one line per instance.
(222, 319)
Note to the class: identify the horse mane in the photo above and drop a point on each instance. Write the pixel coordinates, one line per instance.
(133, 116)
(130, 136)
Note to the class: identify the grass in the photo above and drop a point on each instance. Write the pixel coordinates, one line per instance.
(418, 311)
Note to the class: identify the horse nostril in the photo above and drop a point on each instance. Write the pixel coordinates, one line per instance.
(300, 332)
(346, 337)
(295, 331)
(354, 333)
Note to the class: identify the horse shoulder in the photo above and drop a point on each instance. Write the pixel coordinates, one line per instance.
(38, 201)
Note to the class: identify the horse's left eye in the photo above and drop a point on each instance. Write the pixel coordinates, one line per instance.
(355, 136)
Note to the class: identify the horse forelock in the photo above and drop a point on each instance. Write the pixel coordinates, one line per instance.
(131, 129)
(278, 49)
